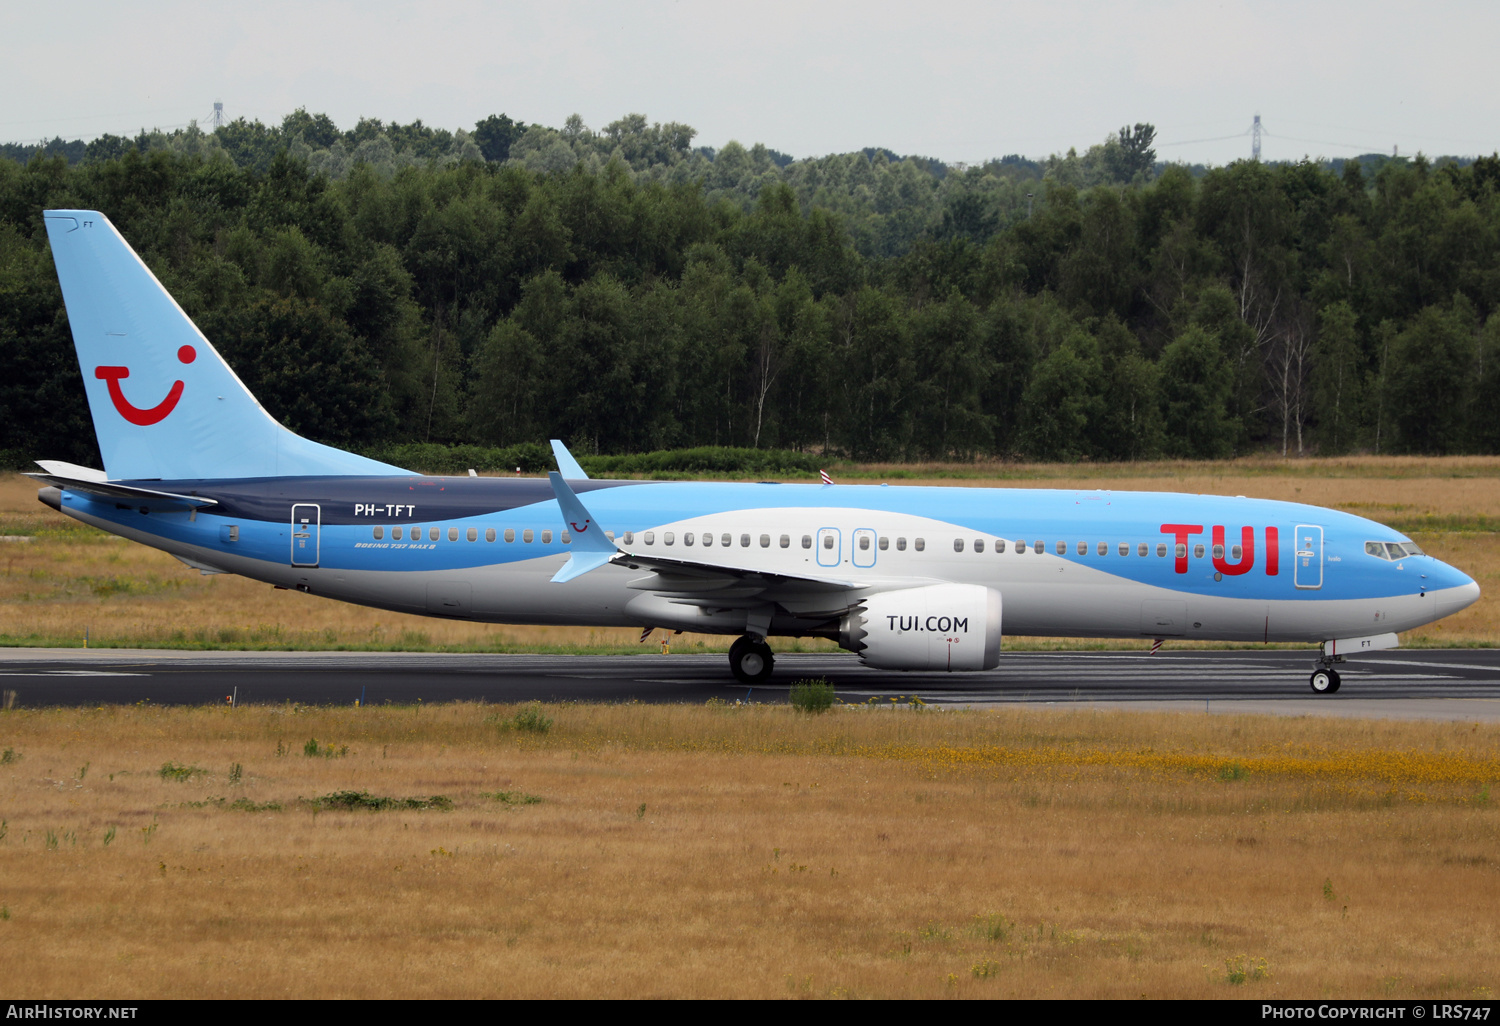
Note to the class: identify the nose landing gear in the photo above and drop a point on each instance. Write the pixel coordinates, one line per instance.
(750, 659)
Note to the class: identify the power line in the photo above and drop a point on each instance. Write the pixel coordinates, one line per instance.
(94, 117)
(1217, 138)
(1325, 142)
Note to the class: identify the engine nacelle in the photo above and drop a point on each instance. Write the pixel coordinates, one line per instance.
(939, 627)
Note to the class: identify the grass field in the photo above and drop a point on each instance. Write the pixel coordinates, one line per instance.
(722, 851)
(71, 580)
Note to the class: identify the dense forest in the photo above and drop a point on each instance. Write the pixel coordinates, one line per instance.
(628, 292)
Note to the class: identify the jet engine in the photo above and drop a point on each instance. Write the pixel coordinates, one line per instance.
(938, 627)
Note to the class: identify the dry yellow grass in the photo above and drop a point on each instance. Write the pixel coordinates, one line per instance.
(72, 580)
(747, 852)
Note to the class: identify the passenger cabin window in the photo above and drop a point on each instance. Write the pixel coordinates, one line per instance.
(629, 538)
(744, 541)
(566, 538)
(379, 533)
(1218, 552)
(1198, 551)
(999, 544)
(546, 537)
(1020, 545)
(885, 543)
(900, 544)
(453, 534)
(1061, 548)
(765, 541)
(708, 539)
(1039, 547)
(1103, 548)
(510, 534)
(667, 537)
(1124, 548)
(473, 534)
(828, 541)
(1142, 549)
(786, 541)
(919, 544)
(610, 535)
(978, 544)
(1161, 548)
(687, 538)
(527, 536)
(489, 534)
(1235, 553)
(649, 537)
(958, 544)
(1082, 549)
(432, 534)
(396, 533)
(726, 540)
(807, 541)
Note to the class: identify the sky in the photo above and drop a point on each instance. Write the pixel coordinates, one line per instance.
(957, 80)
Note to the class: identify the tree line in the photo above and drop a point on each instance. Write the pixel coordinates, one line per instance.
(627, 292)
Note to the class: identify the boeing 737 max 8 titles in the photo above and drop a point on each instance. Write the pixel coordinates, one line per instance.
(912, 578)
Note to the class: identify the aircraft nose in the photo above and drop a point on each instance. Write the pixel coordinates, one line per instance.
(1461, 594)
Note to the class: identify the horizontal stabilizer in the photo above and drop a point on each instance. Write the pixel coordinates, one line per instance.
(72, 471)
(127, 493)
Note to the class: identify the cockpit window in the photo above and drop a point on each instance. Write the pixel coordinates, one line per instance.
(1391, 550)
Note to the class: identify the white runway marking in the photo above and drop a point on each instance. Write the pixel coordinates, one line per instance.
(76, 673)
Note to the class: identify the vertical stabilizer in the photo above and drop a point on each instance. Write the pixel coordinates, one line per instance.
(164, 402)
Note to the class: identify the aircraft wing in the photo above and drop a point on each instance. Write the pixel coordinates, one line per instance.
(700, 582)
(725, 574)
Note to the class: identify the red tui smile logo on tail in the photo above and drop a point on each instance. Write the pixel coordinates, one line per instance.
(134, 414)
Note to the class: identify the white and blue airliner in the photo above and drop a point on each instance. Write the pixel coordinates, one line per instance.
(908, 578)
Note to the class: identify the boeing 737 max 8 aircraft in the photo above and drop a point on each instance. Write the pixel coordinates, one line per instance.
(910, 578)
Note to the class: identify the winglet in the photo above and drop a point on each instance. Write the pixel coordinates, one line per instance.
(591, 549)
(566, 464)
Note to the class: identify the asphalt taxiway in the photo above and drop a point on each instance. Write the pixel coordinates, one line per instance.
(1457, 684)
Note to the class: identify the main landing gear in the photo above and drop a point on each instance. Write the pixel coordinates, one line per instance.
(750, 659)
(1324, 680)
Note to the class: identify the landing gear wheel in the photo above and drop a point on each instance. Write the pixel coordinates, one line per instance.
(1324, 682)
(750, 659)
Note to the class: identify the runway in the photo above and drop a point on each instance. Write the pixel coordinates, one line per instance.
(1459, 684)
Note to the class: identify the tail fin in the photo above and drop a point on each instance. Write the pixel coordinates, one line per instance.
(165, 404)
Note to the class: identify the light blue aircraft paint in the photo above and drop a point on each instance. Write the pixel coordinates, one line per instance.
(911, 578)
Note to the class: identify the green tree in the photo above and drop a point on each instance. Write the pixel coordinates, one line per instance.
(1428, 381)
(1196, 382)
(1062, 401)
(1336, 378)
(495, 134)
